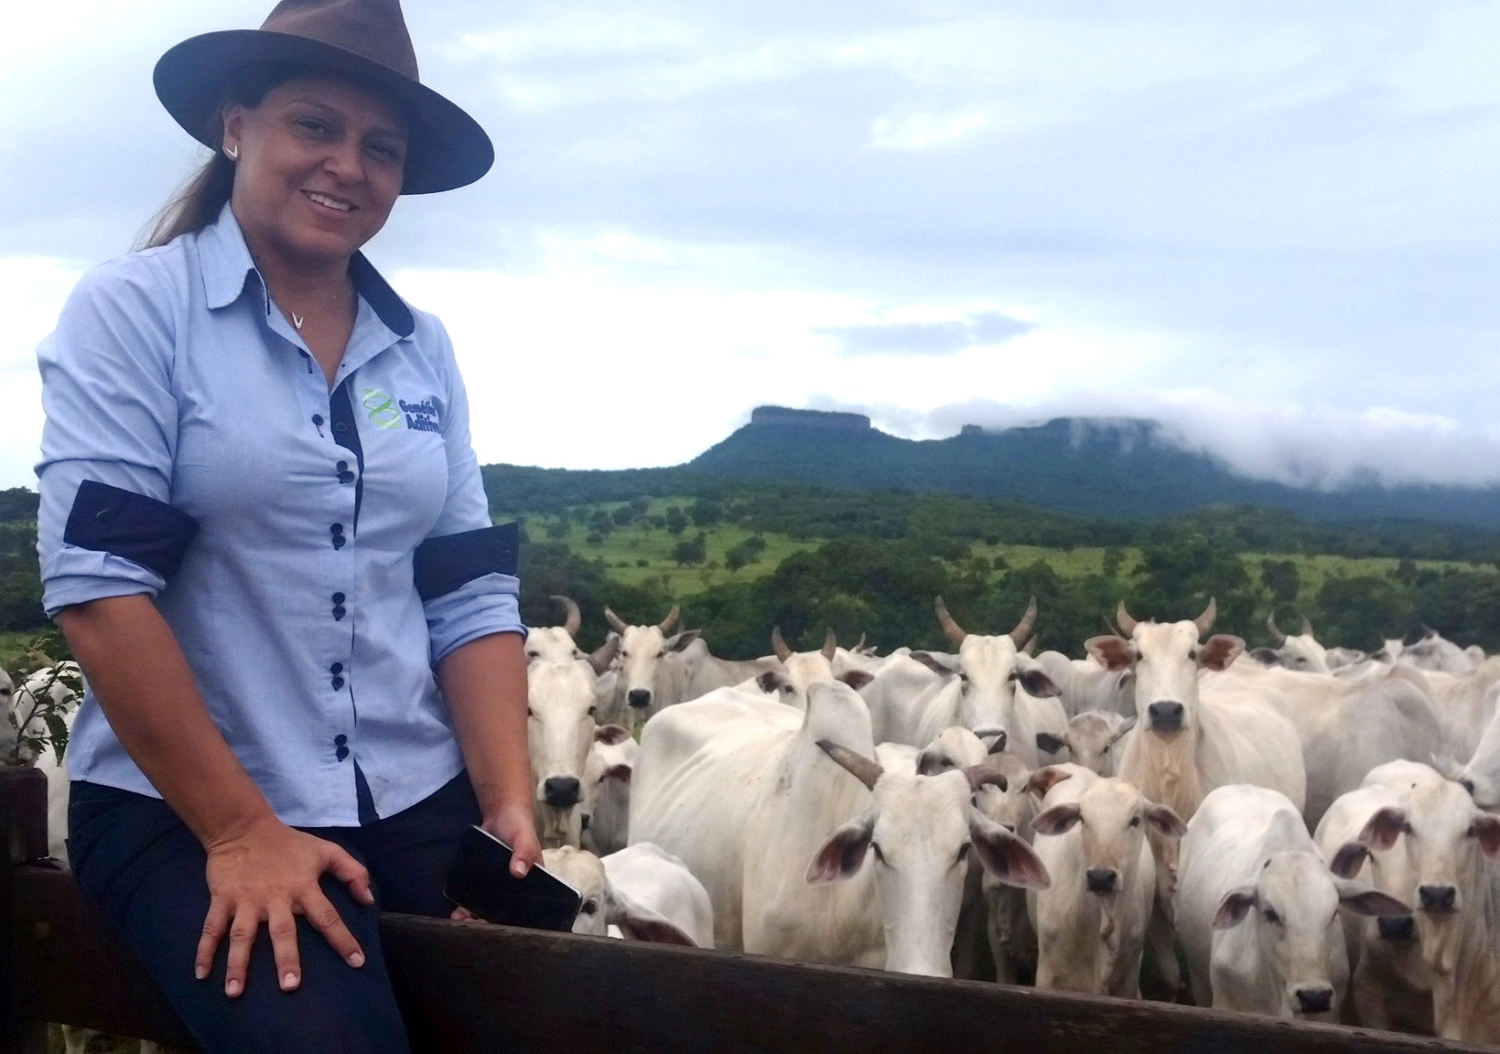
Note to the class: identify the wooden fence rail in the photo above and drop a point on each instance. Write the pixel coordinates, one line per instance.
(477, 988)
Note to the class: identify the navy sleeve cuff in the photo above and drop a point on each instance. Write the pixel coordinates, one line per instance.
(445, 563)
(129, 525)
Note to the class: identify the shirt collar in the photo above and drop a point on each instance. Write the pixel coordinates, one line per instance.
(227, 265)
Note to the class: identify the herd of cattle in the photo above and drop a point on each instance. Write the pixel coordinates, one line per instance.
(1307, 830)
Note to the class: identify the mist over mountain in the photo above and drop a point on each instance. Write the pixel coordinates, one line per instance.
(1105, 467)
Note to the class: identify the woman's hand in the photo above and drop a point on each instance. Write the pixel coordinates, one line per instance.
(268, 872)
(516, 827)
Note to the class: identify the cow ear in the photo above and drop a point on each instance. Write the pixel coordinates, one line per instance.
(1006, 856)
(618, 772)
(1264, 656)
(771, 681)
(1487, 829)
(680, 641)
(1120, 730)
(1382, 829)
(1349, 859)
(641, 923)
(1111, 651)
(1057, 820)
(1048, 743)
(856, 679)
(843, 854)
(1043, 780)
(1362, 900)
(1234, 907)
(1219, 651)
(932, 762)
(1165, 820)
(932, 662)
(1038, 685)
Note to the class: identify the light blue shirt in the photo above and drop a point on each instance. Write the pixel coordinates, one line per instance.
(315, 552)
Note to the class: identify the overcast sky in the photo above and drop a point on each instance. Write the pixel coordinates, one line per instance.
(1273, 225)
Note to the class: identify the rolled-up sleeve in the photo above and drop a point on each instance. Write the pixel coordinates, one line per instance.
(466, 568)
(106, 526)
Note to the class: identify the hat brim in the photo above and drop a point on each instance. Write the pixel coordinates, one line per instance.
(448, 147)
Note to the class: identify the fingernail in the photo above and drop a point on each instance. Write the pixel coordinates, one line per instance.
(289, 980)
(200, 972)
(521, 870)
(232, 988)
(357, 959)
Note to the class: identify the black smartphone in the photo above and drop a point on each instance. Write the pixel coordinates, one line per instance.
(480, 881)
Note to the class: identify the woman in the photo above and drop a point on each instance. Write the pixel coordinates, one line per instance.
(264, 534)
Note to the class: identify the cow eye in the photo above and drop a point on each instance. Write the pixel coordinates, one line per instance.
(532, 653)
(1193, 653)
(963, 853)
(1271, 917)
(1135, 821)
(530, 712)
(875, 848)
(661, 653)
(590, 907)
(1105, 750)
(593, 711)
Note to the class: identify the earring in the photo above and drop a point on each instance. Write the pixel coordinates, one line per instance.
(233, 152)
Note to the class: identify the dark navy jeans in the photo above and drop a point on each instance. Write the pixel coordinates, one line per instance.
(139, 864)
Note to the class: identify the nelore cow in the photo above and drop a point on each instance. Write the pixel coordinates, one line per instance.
(650, 673)
(561, 719)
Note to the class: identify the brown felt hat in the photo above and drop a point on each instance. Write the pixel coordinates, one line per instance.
(364, 40)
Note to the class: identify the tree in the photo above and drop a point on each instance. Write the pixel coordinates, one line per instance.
(677, 520)
(1282, 579)
(691, 551)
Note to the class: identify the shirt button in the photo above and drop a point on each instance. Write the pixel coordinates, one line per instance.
(337, 682)
(341, 753)
(338, 598)
(317, 419)
(340, 740)
(336, 669)
(338, 612)
(338, 541)
(336, 528)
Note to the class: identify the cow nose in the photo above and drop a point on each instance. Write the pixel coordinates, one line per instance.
(561, 791)
(1314, 999)
(1396, 927)
(994, 738)
(639, 697)
(1165, 717)
(1102, 879)
(1437, 898)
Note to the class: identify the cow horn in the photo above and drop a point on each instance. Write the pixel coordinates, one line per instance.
(667, 623)
(1205, 621)
(983, 775)
(860, 647)
(604, 658)
(1030, 647)
(1127, 624)
(952, 630)
(778, 645)
(1023, 628)
(859, 766)
(1306, 627)
(1277, 637)
(830, 644)
(615, 621)
(575, 617)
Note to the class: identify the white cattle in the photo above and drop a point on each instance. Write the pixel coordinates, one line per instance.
(704, 671)
(1090, 740)
(1431, 652)
(1346, 727)
(988, 687)
(1390, 985)
(607, 774)
(1450, 848)
(1258, 908)
(560, 723)
(745, 796)
(650, 673)
(649, 876)
(1091, 921)
(1084, 684)
(1464, 702)
(1300, 651)
(1011, 937)
(556, 643)
(605, 905)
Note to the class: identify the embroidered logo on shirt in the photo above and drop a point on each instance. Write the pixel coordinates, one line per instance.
(422, 416)
(382, 408)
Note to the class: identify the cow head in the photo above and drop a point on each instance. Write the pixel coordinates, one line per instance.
(1090, 738)
(1166, 658)
(560, 713)
(603, 904)
(644, 672)
(989, 670)
(1111, 817)
(1300, 651)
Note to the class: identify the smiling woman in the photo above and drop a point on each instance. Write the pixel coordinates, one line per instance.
(237, 530)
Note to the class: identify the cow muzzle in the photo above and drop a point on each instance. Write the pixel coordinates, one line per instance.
(561, 792)
(1166, 717)
(1438, 899)
(993, 738)
(1314, 999)
(1396, 927)
(1102, 880)
(640, 698)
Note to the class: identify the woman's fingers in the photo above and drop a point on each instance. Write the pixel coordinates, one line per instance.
(326, 920)
(241, 937)
(283, 930)
(214, 925)
(351, 872)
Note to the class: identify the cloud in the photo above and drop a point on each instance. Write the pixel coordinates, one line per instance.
(925, 338)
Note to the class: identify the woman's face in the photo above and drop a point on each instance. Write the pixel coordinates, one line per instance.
(320, 165)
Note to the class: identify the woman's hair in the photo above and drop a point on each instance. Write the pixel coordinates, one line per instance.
(197, 202)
